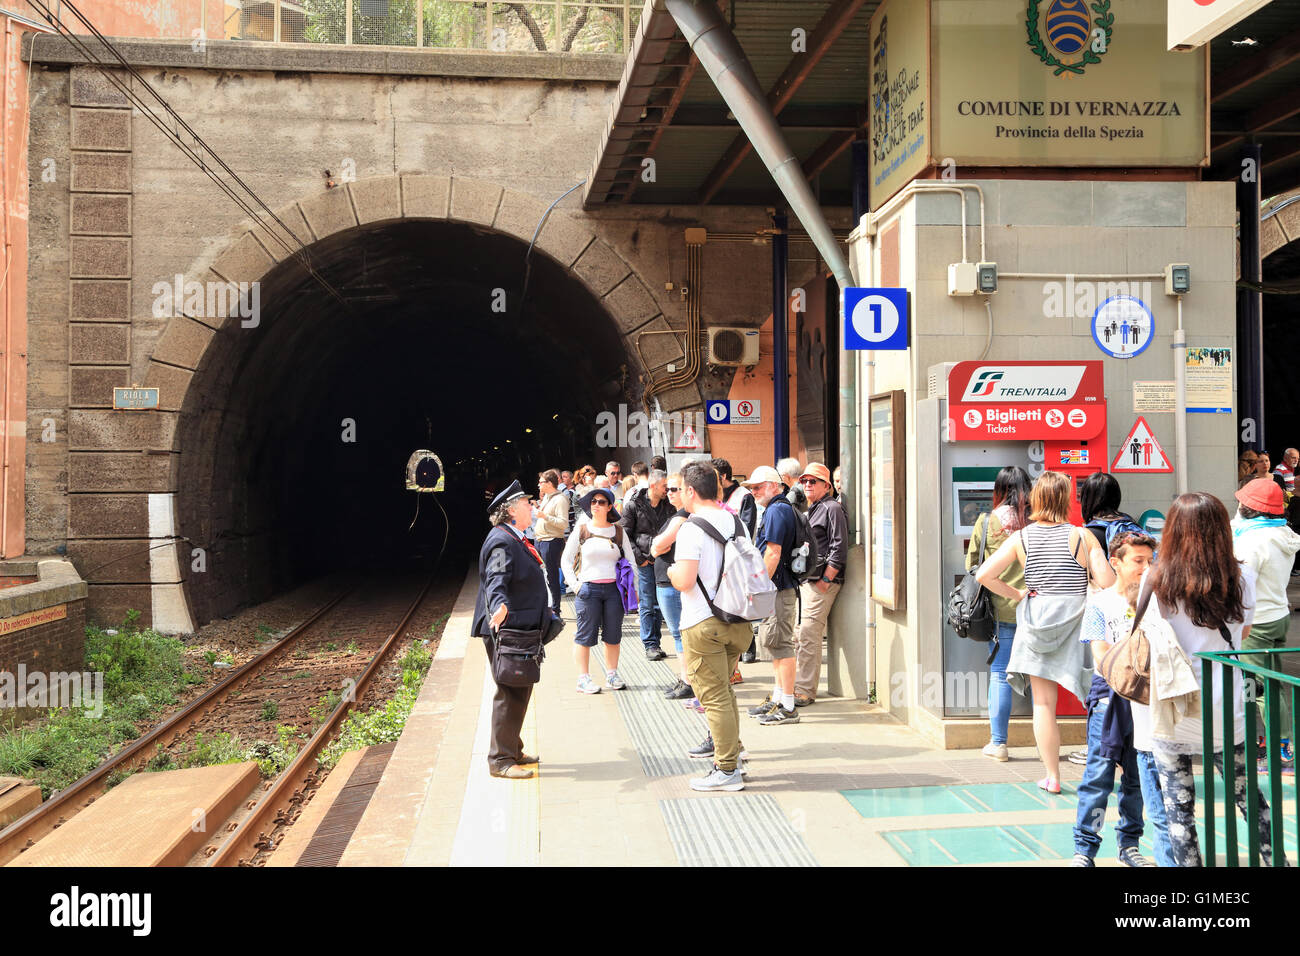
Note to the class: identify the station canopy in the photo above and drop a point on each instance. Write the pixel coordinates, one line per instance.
(668, 109)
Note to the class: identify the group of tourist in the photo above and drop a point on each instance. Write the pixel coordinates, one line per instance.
(1062, 591)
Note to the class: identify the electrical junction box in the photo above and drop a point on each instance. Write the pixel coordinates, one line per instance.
(1178, 278)
(986, 277)
(961, 278)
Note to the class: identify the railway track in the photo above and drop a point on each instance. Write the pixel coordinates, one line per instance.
(337, 650)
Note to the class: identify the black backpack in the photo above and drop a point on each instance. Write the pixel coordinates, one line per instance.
(805, 560)
(970, 606)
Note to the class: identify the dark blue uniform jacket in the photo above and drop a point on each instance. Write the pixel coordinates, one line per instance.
(509, 575)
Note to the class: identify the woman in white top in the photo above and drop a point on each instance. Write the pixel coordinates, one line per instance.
(1202, 591)
(600, 543)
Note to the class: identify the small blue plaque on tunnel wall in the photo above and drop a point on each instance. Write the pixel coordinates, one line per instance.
(135, 399)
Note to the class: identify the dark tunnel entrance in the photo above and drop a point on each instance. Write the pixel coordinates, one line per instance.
(295, 433)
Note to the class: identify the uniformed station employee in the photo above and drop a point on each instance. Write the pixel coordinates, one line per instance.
(512, 592)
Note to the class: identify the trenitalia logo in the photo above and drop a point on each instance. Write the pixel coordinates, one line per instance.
(1018, 383)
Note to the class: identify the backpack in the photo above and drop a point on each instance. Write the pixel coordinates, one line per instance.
(970, 607)
(1115, 526)
(743, 592)
(584, 532)
(805, 558)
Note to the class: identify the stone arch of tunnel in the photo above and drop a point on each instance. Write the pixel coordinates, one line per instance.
(296, 423)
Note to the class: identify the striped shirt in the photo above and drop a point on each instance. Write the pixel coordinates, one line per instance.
(1050, 567)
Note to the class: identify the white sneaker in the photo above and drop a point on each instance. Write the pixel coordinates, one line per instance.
(613, 681)
(719, 780)
(586, 685)
(997, 751)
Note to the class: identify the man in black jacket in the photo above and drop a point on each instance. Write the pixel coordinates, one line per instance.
(512, 591)
(644, 515)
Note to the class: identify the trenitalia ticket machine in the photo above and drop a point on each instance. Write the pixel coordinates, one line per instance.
(1037, 415)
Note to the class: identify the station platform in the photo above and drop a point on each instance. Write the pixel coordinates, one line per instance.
(846, 786)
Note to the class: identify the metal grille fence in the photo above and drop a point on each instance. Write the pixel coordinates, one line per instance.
(1266, 684)
(565, 26)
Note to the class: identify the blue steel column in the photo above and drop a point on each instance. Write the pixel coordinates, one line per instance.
(780, 340)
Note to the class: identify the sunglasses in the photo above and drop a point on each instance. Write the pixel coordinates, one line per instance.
(809, 481)
(673, 488)
(599, 501)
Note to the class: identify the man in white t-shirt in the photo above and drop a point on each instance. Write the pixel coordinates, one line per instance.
(710, 646)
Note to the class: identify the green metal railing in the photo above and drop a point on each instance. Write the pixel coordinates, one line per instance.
(1259, 669)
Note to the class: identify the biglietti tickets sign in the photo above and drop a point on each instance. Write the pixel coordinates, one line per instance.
(1025, 401)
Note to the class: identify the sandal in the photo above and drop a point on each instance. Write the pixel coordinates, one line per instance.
(1050, 785)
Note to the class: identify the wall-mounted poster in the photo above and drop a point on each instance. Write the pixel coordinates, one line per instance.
(888, 517)
(1209, 379)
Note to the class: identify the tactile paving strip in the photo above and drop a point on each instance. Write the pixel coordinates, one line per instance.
(733, 830)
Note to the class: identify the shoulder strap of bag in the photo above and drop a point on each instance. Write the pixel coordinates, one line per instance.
(716, 535)
(1147, 589)
(1227, 636)
(984, 536)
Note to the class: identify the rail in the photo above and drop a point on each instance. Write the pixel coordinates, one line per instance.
(1270, 686)
(548, 26)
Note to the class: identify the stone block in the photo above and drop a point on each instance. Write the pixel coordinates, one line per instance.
(601, 268)
(473, 201)
(631, 304)
(100, 172)
(172, 383)
(1271, 238)
(1043, 203)
(682, 398)
(98, 343)
(107, 604)
(1288, 217)
(118, 472)
(279, 243)
(95, 430)
(92, 387)
(1211, 204)
(244, 261)
(1139, 204)
(183, 342)
(377, 199)
(425, 197)
(100, 215)
(93, 258)
(111, 562)
(89, 87)
(328, 213)
(519, 214)
(101, 299)
(101, 129)
(564, 238)
(658, 349)
(108, 516)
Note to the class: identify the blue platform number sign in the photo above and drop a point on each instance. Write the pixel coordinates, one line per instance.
(718, 411)
(875, 319)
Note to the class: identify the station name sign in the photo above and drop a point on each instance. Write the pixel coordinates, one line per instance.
(1026, 401)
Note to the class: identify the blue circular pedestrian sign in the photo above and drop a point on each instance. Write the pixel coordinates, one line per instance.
(1122, 326)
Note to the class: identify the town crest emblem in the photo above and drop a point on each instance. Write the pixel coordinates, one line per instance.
(1072, 41)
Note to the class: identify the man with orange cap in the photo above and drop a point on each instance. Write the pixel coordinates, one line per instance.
(830, 528)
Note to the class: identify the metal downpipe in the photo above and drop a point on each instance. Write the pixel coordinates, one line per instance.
(720, 54)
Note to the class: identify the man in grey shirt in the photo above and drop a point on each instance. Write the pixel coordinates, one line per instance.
(830, 526)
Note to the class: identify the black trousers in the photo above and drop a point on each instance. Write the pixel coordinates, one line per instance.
(509, 705)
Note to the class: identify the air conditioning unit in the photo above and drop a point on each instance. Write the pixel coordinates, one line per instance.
(937, 385)
(731, 346)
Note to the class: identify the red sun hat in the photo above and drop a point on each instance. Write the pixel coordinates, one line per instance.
(1262, 494)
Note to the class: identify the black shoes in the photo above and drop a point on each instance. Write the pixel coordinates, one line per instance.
(679, 691)
(655, 653)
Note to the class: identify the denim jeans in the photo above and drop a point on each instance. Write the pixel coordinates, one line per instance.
(647, 608)
(550, 552)
(1153, 802)
(670, 605)
(1095, 789)
(999, 690)
(600, 611)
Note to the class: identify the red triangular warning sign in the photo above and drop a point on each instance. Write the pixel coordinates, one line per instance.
(689, 439)
(1140, 453)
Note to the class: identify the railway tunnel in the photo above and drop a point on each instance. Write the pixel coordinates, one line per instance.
(407, 334)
